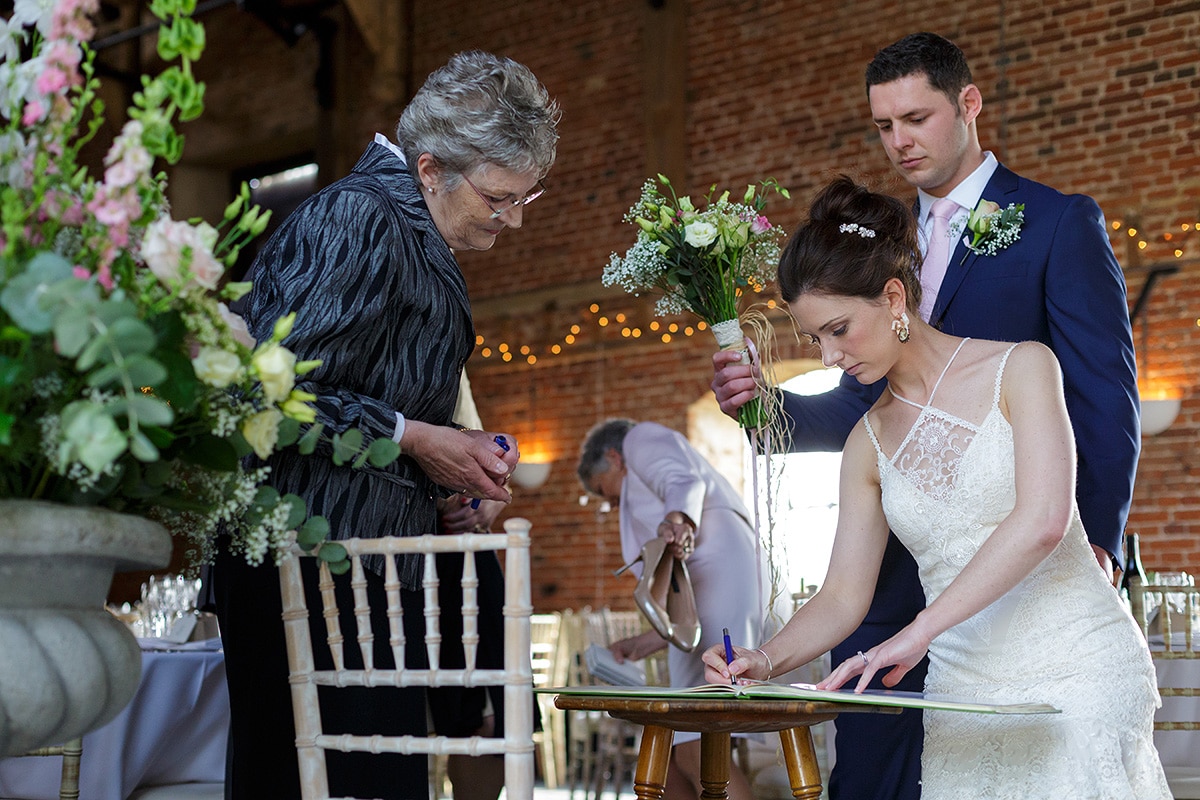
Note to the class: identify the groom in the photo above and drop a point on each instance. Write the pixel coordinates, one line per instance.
(1058, 284)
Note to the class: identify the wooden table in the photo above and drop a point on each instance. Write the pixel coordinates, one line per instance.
(715, 719)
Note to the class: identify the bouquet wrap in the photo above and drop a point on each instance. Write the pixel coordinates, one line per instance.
(730, 338)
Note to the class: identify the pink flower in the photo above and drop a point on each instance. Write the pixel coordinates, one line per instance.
(81, 273)
(169, 248)
(71, 19)
(760, 225)
(34, 111)
(237, 326)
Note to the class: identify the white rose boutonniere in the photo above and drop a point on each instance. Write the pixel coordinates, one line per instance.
(992, 228)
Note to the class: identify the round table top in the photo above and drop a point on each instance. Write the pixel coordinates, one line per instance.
(711, 715)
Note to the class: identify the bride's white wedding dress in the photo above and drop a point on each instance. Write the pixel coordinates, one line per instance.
(1061, 636)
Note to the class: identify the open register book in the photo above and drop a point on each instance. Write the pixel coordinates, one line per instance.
(762, 690)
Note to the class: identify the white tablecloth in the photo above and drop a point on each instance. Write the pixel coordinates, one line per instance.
(1178, 748)
(173, 731)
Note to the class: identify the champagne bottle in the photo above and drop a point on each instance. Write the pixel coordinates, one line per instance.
(1134, 575)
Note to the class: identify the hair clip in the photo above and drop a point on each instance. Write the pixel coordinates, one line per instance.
(854, 227)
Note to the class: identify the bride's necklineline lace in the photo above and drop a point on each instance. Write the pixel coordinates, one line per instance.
(930, 453)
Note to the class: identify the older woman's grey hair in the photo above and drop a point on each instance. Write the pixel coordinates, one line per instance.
(481, 108)
(604, 436)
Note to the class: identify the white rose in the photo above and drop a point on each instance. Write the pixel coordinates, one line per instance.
(262, 431)
(217, 367)
(700, 234)
(276, 369)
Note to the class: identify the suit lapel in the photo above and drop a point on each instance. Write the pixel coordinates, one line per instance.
(1002, 184)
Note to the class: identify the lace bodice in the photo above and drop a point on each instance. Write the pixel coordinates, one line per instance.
(1061, 636)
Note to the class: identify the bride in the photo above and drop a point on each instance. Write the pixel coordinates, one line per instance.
(969, 458)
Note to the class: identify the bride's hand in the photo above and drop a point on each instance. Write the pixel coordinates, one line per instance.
(902, 652)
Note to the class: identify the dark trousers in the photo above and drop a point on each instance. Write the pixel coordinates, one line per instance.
(262, 759)
(879, 755)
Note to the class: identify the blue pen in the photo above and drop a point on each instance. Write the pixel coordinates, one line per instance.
(500, 440)
(729, 653)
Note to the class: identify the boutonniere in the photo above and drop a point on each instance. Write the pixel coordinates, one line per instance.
(992, 228)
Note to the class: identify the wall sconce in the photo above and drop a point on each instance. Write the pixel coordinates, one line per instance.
(531, 474)
(1159, 410)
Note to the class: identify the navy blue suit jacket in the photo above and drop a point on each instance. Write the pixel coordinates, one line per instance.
(1059, 284)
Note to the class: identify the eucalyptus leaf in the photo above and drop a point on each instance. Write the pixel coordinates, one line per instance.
(382, 452)
(296, 510)
(308, 442)
(331, 552)
(346, 446)
(150, 410)
(142, 448)
(22, 297)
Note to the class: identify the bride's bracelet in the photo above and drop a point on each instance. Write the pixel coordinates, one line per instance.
(770, 666)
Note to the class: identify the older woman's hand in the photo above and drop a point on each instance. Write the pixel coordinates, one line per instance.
(459, 514)
(679, 532)
(469, 462)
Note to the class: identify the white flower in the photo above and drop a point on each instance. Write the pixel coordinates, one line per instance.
(217, 367)
(34, 12)
(275, 366)
(700, 233)
(170, 247)
(11, 37)
(262, 431)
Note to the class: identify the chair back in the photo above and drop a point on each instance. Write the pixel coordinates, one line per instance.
(1167, 615)
(516, 746)
(72, 753)
(549, 669)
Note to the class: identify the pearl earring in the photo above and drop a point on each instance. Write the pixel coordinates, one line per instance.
(900, 326)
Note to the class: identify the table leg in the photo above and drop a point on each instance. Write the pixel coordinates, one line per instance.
(650, 778)
(714, 766)
(803, 772)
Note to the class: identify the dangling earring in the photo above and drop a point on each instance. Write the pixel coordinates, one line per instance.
(900, 326)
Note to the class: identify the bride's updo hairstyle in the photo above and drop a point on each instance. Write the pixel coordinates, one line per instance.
(854, 242)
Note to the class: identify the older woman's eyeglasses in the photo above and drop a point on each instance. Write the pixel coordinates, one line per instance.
(534, 194)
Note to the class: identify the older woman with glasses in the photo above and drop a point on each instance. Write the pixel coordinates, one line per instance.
(368, 267)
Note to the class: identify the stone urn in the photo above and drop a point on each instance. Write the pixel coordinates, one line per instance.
(67, 665)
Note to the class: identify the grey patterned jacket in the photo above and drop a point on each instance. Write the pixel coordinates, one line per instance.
(380, 300)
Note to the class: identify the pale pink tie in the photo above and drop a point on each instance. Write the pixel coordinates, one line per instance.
(937, 254)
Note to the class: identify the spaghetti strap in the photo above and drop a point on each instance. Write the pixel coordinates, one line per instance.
(945, 369)
(1000, 375)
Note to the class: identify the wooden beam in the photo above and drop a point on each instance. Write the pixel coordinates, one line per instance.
(664, 88)
(367, 17)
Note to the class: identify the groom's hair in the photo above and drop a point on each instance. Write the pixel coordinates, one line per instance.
(936, 57)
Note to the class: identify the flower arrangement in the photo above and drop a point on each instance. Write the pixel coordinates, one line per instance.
(992, 228)
(701, 259)
(125, 381)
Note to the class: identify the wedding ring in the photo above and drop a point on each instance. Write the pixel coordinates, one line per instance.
(863, 656)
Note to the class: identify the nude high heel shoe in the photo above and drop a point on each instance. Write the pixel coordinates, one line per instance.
(664, 591)
(681, 609)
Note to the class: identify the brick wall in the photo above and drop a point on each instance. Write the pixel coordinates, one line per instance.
(1095, 96)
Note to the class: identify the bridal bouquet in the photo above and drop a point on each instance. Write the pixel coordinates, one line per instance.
(125, 381)
(701, 259)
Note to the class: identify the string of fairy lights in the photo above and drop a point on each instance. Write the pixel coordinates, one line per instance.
(1172, 239)
(594, 320)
